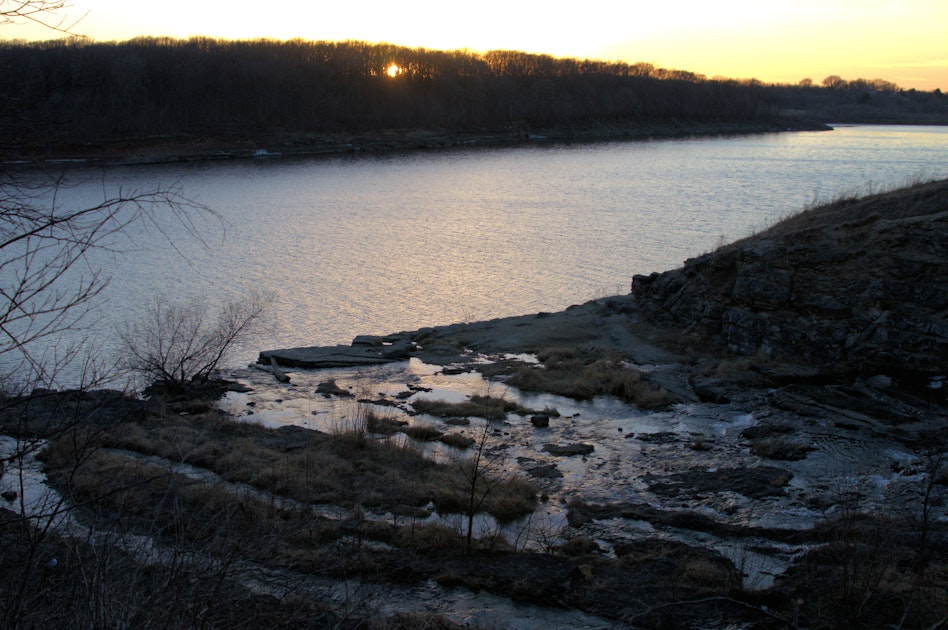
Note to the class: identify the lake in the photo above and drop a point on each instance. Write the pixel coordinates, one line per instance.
(382, 243)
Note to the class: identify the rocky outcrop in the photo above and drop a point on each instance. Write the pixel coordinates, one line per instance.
(364, 350)
(861, 284)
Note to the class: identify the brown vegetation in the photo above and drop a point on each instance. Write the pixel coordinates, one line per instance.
(868, 573)
(487, 407)
(582, 375)
(347, 469)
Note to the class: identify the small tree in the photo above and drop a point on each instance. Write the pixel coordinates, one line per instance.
(482, 473)
(175, 343)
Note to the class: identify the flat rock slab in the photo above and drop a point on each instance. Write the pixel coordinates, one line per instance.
(569, 449)
(333, 356)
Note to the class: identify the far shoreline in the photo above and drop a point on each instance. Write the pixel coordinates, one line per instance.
(131, 152)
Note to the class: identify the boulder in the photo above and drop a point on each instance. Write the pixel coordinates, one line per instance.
(540, 420)
(400, 349)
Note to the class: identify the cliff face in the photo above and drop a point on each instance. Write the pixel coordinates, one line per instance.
(859, 284)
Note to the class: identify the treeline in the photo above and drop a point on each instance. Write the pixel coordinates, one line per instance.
(865, 101)
(75, 92)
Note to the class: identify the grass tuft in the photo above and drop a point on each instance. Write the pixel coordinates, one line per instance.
(572, 373)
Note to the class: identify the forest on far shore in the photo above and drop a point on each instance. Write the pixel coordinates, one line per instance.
(149, 91)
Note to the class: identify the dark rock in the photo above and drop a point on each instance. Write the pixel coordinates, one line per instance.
(780, 448)
(755, 483)
(569, 449)
(398, 350)
(540, 420)
(543, 471)
(788, 373)
(619, 304)
(329, 388)
(711, 390)
(9, 495)
(317, 357)
(454, 371)
(765, 431)
(763, 288)
(662, 437)
(372, 341)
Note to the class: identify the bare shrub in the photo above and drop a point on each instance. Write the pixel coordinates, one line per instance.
(864, 575)
(175, 343)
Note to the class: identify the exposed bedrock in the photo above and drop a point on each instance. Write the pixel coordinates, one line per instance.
(860, 284)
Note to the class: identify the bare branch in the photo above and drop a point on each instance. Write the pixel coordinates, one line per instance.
(48, 285)
(40, 12)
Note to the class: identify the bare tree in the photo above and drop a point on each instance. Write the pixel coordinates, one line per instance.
(178, 342)
(483, 472)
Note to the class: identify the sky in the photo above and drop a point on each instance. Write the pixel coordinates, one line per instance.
(780, 41)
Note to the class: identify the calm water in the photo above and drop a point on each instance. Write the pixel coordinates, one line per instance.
(378, 244)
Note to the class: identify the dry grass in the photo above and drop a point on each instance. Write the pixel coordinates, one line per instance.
(506, 499)
(457, 440)
(487, 407)
(383, 425)
(512, 498)
(423, 433)
(780, 448)
(429, 537)
(576, 374)
(348, 468)
(219, 518)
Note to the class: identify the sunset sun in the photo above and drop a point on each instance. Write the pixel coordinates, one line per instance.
(393, 70)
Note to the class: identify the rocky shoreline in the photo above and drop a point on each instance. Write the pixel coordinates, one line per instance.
(842, 305)
(838, 376)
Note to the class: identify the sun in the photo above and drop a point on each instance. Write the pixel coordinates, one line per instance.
(393, 70)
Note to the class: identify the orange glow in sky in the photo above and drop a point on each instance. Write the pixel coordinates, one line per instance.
(903, 41)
